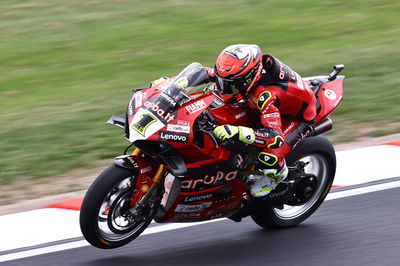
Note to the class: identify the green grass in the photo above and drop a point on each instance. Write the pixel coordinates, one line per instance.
(66, 66)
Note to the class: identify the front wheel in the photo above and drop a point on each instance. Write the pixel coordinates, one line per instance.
(318, 156)
(105, 218)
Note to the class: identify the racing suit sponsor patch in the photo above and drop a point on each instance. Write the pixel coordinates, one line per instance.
(263, 99)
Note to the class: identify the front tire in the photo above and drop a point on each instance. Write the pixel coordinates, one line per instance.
(321, 158)
(104, 218)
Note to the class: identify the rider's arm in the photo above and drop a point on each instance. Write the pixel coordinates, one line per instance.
(201, 76)
(270, 135)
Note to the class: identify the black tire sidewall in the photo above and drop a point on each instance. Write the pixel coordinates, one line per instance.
(264, 214)
(92, 203)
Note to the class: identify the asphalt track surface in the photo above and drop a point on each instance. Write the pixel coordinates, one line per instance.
(352, 230)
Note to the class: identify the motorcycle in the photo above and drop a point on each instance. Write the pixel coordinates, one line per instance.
(179, 172)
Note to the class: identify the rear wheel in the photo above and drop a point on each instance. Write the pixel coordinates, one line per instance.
(106, 218)
(318, 155)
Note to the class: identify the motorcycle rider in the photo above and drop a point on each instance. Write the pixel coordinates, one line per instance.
(274, 91)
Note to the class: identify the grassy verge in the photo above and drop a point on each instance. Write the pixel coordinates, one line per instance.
(66, 66)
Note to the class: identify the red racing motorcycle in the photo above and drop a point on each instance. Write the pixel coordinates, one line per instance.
(179, 172)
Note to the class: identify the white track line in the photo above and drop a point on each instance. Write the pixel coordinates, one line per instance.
(362, 190)
(173, 226)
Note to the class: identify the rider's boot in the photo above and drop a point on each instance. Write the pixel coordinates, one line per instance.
(267, 182)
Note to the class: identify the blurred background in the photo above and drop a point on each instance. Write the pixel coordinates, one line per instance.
(66, 66)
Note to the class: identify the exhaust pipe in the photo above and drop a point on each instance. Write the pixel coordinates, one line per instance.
(325, 125)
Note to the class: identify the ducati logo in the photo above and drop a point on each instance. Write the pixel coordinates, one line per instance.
(330, 94)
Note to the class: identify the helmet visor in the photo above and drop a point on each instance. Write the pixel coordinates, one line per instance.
(235, 85)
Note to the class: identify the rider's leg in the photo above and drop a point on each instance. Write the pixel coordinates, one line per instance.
(272, 165)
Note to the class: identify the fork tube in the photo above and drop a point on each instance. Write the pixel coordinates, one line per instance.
(137, 152)
(157, 178)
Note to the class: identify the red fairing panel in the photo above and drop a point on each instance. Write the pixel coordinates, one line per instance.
(206, 204)
(330, 96)
(233, 115)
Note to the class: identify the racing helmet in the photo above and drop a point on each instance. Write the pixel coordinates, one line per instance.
(237, 69)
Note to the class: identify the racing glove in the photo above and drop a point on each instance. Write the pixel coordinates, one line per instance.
(226, 132)
(157, 81)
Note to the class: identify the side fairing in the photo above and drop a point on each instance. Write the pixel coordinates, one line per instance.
(178, 132)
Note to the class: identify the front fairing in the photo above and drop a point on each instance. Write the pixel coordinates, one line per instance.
(152, 109)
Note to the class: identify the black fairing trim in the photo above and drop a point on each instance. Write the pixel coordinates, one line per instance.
(127, 162)
(176, 162)
(167, 153)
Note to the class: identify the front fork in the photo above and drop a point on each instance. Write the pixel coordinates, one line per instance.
(139, 201)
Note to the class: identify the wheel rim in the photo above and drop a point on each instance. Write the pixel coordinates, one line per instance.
(113, 220)
(318, 166)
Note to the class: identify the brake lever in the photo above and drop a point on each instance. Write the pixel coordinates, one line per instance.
(212, 136)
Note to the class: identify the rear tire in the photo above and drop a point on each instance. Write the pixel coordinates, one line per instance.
(320, 154)
(104, 216)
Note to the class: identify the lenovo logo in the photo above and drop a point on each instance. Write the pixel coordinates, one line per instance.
(175, 137)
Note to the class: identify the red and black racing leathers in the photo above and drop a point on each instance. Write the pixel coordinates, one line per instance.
(286, 107)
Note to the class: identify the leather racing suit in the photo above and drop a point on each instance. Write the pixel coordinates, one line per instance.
(286, 107)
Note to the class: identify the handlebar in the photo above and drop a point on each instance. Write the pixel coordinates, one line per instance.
(336, 70)
(318, 82)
